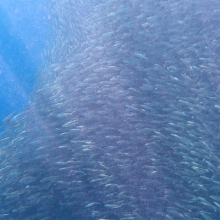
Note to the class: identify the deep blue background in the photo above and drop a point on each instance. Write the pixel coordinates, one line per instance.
(24, 35)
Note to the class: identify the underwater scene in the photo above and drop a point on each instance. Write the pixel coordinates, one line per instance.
(110, 110)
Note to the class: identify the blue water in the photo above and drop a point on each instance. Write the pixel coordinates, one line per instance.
(24, 34)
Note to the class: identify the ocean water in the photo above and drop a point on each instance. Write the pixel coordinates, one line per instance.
(24, 37)
(116, 110)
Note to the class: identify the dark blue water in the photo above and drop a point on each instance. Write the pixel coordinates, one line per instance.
(24, 35)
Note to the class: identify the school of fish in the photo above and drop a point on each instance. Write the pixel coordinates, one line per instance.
(123, 124)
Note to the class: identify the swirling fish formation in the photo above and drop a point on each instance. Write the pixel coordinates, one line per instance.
(125, 124)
